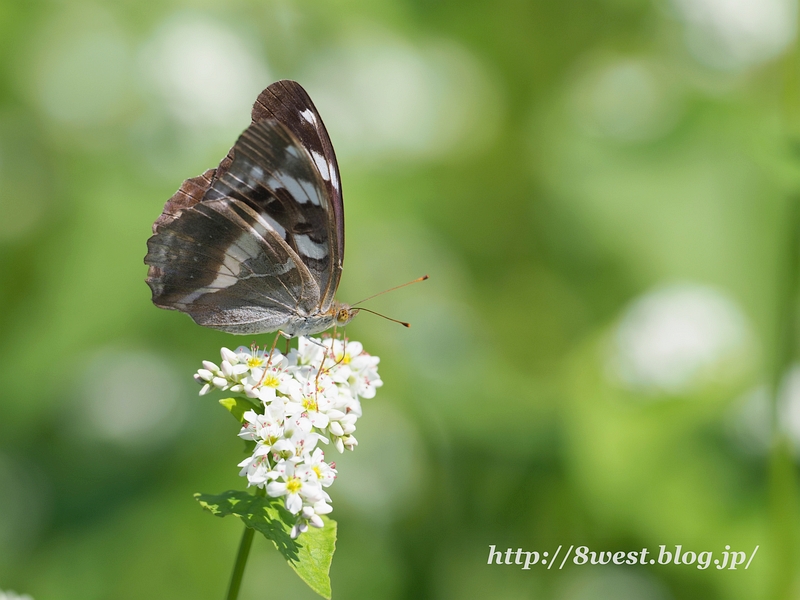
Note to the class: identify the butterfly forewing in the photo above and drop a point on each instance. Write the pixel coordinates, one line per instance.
(287, 102)
(257, 242)
(273, 174)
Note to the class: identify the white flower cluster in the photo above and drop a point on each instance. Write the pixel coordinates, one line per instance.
(309, 396)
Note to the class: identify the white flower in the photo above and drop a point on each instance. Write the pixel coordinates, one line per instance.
(321, 507)
(341, 429)
(315, 463)
(254, 357)
(310, 515)
(284, 450)
(256, 469)
(342, 352)
(307, 397)
(355, 367)
(346, 441)
(206, 375)
(299, 487)
(265, 430)
(315, 408)
(298, 440)
(233, 372)
(365, 379)
(266, 383)
(229, 356)
(300, 527)
(308, 352)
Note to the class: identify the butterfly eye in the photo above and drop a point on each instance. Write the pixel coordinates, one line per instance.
(343, 316)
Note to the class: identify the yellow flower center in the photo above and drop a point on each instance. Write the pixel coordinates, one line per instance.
(310, 404)
(317, 471)
(270, 380)
(294, 485)
(255, 361)
(343, 360)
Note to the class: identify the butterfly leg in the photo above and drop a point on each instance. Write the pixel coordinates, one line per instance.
(321, 369)
(344, 347)
(271, 351)
(344, 342)
(333, 355)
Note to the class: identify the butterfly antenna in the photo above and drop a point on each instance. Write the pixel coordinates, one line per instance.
(397, 287)
(403, 323)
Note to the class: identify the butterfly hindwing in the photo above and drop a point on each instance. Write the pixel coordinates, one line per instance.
(220, 264)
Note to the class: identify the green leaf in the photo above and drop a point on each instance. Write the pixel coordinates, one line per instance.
(310, 555)
(238, 406)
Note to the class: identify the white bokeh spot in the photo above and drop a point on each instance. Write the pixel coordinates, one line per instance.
(80, 68)
(131, 399)
(382, 96)
(734, 34)
(628, 99)
(204, 74)
(669, 338)
(750, 419)
(789, 406)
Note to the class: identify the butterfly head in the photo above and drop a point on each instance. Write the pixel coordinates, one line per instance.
(344, 314)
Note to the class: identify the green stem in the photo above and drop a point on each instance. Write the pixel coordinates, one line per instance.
(241, 561)
(241, 558)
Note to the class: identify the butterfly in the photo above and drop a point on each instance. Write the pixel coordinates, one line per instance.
(257, 244)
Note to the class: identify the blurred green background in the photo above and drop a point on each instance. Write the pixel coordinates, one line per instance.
(598, 190)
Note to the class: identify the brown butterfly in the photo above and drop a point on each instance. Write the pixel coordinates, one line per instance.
(257, 244)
